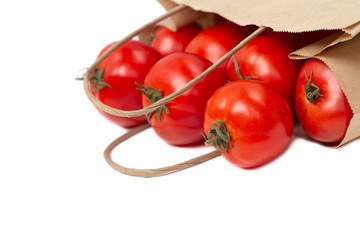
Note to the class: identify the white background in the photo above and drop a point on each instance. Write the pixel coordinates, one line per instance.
(55, 183)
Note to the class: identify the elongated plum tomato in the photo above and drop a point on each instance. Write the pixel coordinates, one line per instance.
(267, 59)
(321, 106)
(180, 121)
(214, 42)
(167, 41)
(114, 84)
(249, 122)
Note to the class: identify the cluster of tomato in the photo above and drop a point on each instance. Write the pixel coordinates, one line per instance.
(246, 108)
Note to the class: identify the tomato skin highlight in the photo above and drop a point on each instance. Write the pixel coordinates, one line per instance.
(327, 118)
(183, 124)
(214, 42)
(166, 41)
(266, 58)
(128, 64)
(257, 118)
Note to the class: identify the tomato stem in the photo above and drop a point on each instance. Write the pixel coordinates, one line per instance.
(151, 36)
(153, 95)
(218, 136)
(312, 91)
(81, 74)
(98, 79)
(237, 69)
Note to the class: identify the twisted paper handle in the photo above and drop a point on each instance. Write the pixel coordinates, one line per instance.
(156, 171)
(163, 101)
(156, 105)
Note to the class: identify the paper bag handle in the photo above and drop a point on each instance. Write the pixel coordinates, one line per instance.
(134, 113)
(170, 97)
(146, 173)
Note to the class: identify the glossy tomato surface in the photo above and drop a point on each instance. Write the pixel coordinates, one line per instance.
(183, 124)
(167, 41)
(326, 118)
(266, 58)
(214, 42)
(128, 64)
(113, 57)
(257, 118)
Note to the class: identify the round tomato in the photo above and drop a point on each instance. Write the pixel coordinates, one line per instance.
(266, 58)
(114, 80)
(321, 106)
(167, 41)
(214, 42)
(179, 122)
(249, 122)
(113, 57)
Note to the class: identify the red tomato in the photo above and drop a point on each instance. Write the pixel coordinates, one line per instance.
(254, 122)
(321, 106)
(115, 56)
(167, 42)
(97, 80)
(267, 59)
(182, 124)
(128, 64)
(214, 42)
(299, 40)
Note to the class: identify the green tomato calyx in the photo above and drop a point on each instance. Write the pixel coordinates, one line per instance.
(218, 136)
(311, 90)
(153, 95)
(98, 79)
(237, 69)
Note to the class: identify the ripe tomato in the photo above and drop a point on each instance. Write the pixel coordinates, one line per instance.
(321, 106)
(267, 59)
(167, 41)
(114, 80)
(251, 121)
(113, 57)
(214, 42)
(180, 121)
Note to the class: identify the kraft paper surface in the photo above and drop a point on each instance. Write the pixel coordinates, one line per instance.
(340, 51)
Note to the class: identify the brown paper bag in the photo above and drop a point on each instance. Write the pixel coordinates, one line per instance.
(280, 15)
(341, 51)
(344, 60)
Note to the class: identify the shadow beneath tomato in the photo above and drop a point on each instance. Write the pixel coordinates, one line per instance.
(300, 133)
(192, 145)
